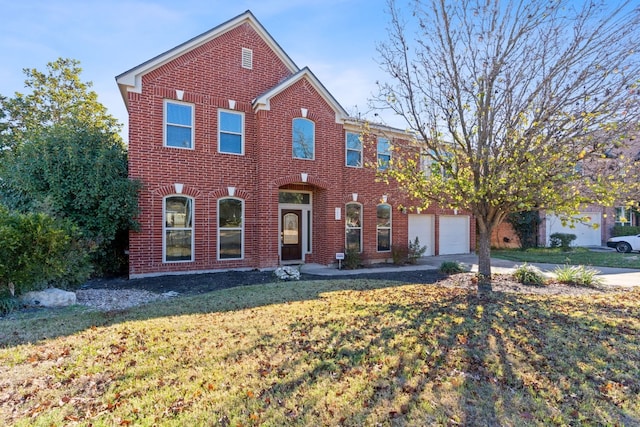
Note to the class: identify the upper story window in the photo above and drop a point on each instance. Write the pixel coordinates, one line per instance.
(178, 229)
(353, 238)
(354, 150)
(303, 139)
(384, 153)
(178, 124)
(230, 132)
(383, 227)
(230, 228)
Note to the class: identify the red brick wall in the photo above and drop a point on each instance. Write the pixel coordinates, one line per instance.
(210, 76)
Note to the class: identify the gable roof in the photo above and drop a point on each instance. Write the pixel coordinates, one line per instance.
(131, 80)
(263, 102)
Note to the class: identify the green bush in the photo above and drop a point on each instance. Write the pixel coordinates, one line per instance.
(578, 275)
(452, 267)
(352, 259)
(562, 241)
(399, 254)
(619, 230)
(35, 251)
(529, 275)
(415, 251)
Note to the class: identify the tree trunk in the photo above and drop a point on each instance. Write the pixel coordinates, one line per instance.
(484, 261)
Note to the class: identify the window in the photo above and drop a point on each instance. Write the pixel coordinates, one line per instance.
(384, 153)
(354, 227)
(230, 228)
(178, 119)
(303, 139)
(384, 227)
(178, 229)
(626, 216)
(230, 132)
(354, 150)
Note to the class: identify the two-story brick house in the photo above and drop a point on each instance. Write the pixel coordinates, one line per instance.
(247, 161)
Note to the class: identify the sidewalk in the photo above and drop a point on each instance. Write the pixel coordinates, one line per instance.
(625, 277)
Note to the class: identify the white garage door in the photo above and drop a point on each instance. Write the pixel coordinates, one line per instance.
(586, 235)
(454, 234)
(421, 226)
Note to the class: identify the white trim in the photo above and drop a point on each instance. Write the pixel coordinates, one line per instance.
(361, 227)
(241, 228)
(165, 102)
(390, 228)
(242, 131)
(307, 221)
(293, 136)
(164, 229)
(347, 149)
(131, 80)
(263, 102)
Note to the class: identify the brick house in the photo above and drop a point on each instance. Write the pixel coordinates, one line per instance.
(247, 161)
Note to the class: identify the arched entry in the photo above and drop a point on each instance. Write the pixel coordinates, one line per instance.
(295, 224)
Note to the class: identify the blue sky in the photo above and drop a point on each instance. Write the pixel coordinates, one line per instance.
(336, 39)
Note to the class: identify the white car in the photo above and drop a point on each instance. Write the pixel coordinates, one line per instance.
(625, 243)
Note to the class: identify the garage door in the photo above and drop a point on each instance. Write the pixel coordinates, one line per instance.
(421, 226)
(454, 234)
(586, 235)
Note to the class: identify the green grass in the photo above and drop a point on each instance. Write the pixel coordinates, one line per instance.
(357, 352)
(578, 256)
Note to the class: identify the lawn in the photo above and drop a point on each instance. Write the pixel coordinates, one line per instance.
(352, 352)
(577, 256)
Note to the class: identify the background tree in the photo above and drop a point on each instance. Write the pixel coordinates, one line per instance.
(516, 102)
(66, 159)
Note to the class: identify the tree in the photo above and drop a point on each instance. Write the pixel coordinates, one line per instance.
(516, 102)
(66, 159)
(57, 95)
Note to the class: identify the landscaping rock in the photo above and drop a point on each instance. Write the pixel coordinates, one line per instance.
(52, 297)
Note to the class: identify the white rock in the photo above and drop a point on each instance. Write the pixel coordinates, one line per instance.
(52, 297)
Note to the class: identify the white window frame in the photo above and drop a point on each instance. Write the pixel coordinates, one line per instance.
(347, 149)
(165, 229)
(293, 137)
(241, 229)
(383, 153)
(165, 124)
(220, 131)
(390, 228)
(347, 227)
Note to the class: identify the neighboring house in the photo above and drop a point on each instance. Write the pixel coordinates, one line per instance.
(247, 161)
(597, 221)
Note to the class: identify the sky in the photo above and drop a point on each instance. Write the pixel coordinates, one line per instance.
(336, 39)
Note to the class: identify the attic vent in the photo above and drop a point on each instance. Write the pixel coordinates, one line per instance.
(247, 58)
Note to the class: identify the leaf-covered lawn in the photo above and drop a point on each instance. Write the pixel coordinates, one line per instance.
(335, 353)
(577, 256)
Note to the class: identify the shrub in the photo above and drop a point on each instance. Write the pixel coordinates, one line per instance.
(452, 267)
(525, 224)
(35, 250)
(529, 275)
(578, 275)
(352, 259)
(562, 241)
(399, 254)
(415, 251)
(619, 230)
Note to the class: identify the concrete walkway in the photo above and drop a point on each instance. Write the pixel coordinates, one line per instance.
(624, 277)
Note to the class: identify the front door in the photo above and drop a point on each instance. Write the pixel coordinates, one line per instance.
(291, 235)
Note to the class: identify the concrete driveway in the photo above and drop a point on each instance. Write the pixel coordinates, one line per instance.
(625, 277)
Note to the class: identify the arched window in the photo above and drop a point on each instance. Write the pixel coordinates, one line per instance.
(353, 240)
(230, 228)
(304, 138)
(178, 229)
(384, 227)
